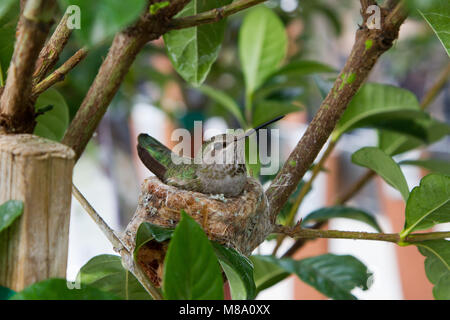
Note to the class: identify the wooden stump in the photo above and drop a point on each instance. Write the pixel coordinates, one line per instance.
(240, 222)
(39, 173)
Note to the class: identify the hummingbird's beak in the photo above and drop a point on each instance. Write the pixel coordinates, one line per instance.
(252, 131)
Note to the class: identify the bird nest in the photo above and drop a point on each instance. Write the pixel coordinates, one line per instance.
(240, 222)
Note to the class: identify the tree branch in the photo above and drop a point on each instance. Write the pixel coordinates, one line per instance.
(436, 88)
(364, 179)
(122, 53)
(59, 74)
(304, 191)
(118, 245)
(429, 97)
(16, 111)
(369, 45)
(213, 15)
(356, 187)
(302, 233)
(49, 54)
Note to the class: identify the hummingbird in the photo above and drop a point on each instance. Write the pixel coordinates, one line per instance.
(218, 167)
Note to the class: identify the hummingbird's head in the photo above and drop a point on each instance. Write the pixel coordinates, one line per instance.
(226, 148)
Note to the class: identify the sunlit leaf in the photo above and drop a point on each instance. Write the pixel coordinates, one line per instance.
(148, 231)
(267, 110)
(6, 293)
(378, 161)
(382, 106)
(438, 17)
(9, 16)
(262, 46)
(333, 275)
(325, 214)
(266, 272)
(437, 266)
(191, 268)
(53, 123)
(193, 50)
(106, 273)
(9, 212)
(394, 143)
(239, 272)
(225, 101)
(57, 289)
(100, 20)
(428, 204)
(433, 165)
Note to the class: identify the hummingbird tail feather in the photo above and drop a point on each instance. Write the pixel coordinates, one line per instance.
(151, 163)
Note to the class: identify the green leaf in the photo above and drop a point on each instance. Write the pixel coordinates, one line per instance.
(378, 161)
(394, 143)
(148, 231)
(239, 271)
(438, 17)
(6, 293)
(437, 266)
(5, 6)
(193, 50)
(303, 68)
(267, 110)
(428, 204)
(333, 275)
(9, 211)
(52, 124)
(433, 165)
(56, 289)
(100, 20)
(287, 207)
(253, 166)
(225, 101)
(9, 16)
(106, 273)
(325, 214)
(382, 106)
(324, 86)
(267, 272)
(191, 269)
(262, 46)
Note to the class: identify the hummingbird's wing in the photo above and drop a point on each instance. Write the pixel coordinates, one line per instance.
(155, 156)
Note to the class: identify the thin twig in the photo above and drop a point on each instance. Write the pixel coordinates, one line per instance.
(118, 244)
(356, 70)
(60, 73)
(369, 174)
(436, 88)
(121, 55)
(356, 187)
(358, 66)
(16, 111)
(304, 191)
(51, 51)
(213, 15)
(303, 233)
(107, 231)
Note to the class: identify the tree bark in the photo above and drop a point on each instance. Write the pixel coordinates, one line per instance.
(39, 173)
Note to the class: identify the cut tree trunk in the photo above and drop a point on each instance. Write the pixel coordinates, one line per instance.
(39, 173)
